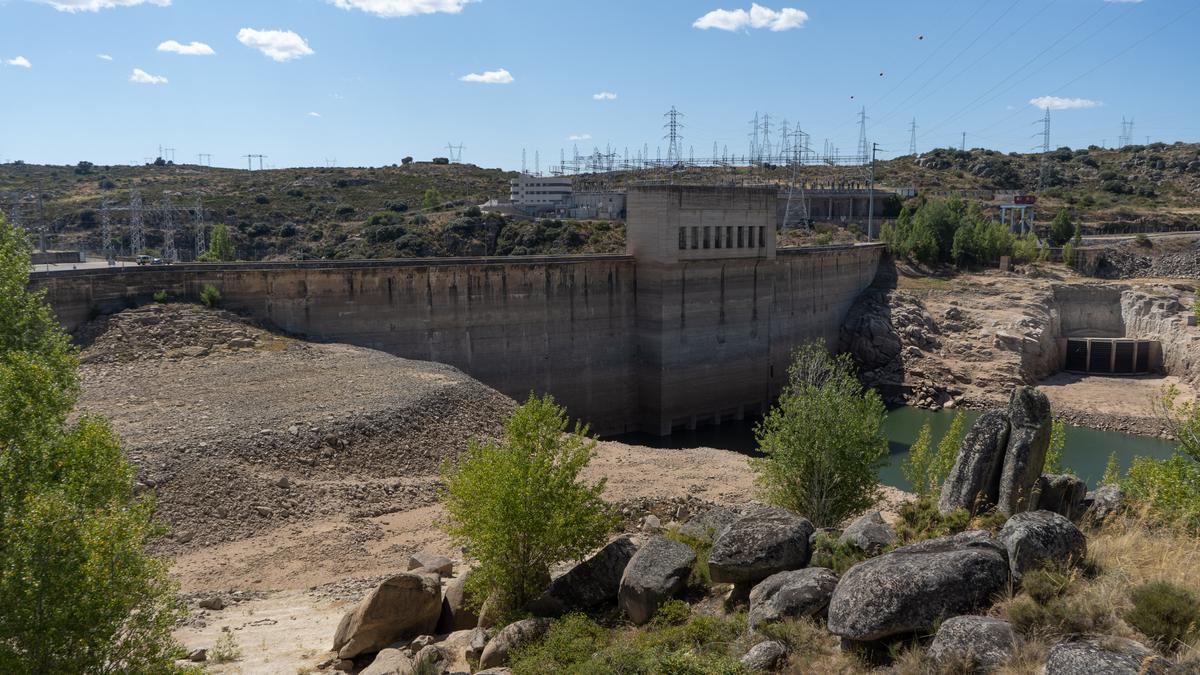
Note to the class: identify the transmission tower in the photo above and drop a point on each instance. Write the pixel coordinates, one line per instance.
(204, 159)
(523, 171)
(1126, 137)
(537, 162)
(250, 161)
(912, 138)
(198, 222)
(766, 137)
(963, 145)
(137, 232)
(673, 125)
(455, 152)
(754, 124)
(106, 234)
(863, 148)
(168, 231)
(1044, 173)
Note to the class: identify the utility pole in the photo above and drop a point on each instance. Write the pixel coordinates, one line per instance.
(1044, 173)
(963, 146)
(912, 138)
(674, 151)
(862, 134)
(871, 193)
(137, 233)
(106, 234)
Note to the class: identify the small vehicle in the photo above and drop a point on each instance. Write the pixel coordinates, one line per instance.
(157, 261)
(143, 260)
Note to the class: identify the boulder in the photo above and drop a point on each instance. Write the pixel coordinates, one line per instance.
(457, 650)
(494, 671)
(760, 544)
(509, 638)
(590, 584)
(791, 594)
(1105, 655)
(656, 572)
(1106, 501)
(709, 525)
(1063, 494)
(765, 656)
(1035, 539)
(910, 589)
(456, 613)
(430, 561)
(980, 643)
(390, 661)
(869, 532)
(1025, 454)
(974, 481)
(401, 607)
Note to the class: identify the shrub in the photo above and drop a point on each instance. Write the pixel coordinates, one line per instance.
(673, 612)
(570, 642)
(1044, 585)
(106, 183)
(821, 443)
(432, 199)
(1165, 612)
(396, 206)
(920, 519)
(1112, 471)
(518, 506)
(1142, 240)
(1167, 490)
(210, 296)
(699, 577)
(160, 296)
(917, 466)
(1058, 441)
(78, 594)
(472, 212)
(1062, 229)
(830, 552)
(262, 199)
(344, 211)
(226, 648)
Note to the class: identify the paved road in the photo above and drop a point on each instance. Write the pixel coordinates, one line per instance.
(92, 264)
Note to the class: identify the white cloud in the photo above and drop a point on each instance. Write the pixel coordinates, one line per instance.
(500, 76)
(1057, 103)
(394, 8)
(106, 57)
(314, 114)
(20, 62)
(757, 17)
(579, 137)
(280, 45)
(142, 77)
(97, 5)
(605, 96)
(193, 49)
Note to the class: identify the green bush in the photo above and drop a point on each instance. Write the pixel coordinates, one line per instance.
(832, 553)
(699, 577)
(1058, 441)
(1062, 230)
(220, 245)
(78, 594)
(210, 296)
(920, 519)
(160, 296)
(1167, 490)
(226, 649)
(1165, 612)
(1044, 585)
(822, 443)
(571, 642)
(673, 612)
(518, 506)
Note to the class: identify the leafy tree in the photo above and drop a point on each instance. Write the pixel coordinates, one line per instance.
(220, 248)
(432, 199)
(916, 467)
(78, 594)
(821, 443)
(1058, 441)
(947, 451)
(518, 505)
(1062, 230)
(1112, 471)
(84, 168)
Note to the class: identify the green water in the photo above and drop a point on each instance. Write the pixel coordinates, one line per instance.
(1086, 452)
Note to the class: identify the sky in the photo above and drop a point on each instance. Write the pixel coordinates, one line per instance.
(367, 82)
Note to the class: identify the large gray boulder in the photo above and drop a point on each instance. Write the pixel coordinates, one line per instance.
(869, 532)
(403, 606)
(1105, 655)
(656, 572)
(765, 657)
(710, 525)
(980, 643)
(590, 584)
(1025, 455)
(456, 607)
(510, 637)
(1063, 494)
(910, 589)
(791, 594)
(1107, 500)
(974, 481)
(1036, 539)
(758, 545)
(390, 661)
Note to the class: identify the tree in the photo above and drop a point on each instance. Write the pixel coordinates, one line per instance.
(220, 247)
(78, 593)
(917, 466)
(432, 199)
(1062, 230)
(518, 505)
(821, 443)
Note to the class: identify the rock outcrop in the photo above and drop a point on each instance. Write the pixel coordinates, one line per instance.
(655, 573)
(1063, 494)
(510, 637)
(403, 606)
(910, 589)
(591, 583)
(975, 478)
(1036, 539)
(792, 594)
(978, 642)
(760, 544)
(869, 532)
(1105, 655)
(764, 657)
(456, 607)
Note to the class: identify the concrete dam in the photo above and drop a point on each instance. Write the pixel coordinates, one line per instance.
(695, 324)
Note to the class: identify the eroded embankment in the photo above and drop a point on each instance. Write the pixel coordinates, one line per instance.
(968, 340)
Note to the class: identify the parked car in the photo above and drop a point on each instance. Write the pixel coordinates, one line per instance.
(157, 261)
(143, 260)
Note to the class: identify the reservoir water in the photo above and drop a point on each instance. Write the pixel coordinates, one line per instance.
(1086, 452)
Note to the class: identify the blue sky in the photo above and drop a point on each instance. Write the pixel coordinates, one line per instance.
(367, 82)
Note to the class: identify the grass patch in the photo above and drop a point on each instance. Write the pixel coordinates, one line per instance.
(1165, 612)
(699, 578)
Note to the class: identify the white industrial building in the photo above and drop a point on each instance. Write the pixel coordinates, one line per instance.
(539, 192)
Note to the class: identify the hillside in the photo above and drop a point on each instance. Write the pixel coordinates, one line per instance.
(380, 212)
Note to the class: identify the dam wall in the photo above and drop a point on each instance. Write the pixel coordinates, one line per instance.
(697, 324)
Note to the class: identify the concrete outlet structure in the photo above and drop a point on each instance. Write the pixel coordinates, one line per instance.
(696, 324)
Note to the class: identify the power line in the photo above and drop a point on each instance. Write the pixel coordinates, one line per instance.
(912, 138)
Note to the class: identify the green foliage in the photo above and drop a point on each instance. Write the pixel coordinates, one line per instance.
(1165, 612)
(831, 553)
(1062, 230)
(1112, 471)
(210, 296)
(673, 612)
(1142, 240)
(945, 230)
(432, 199)
(571, 642)
(1026, 249)
(918, 466)
(78, 594)
(1058, 441)
(947, 452)
(920, 520)
(1183, 419)
(1167, 490)
(472, 212)
(1068, 254)
(160, 296)
(220, 246)
(821, 443)
(518, 505)
(1044, 585)
(226, 649)
(699, 577)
